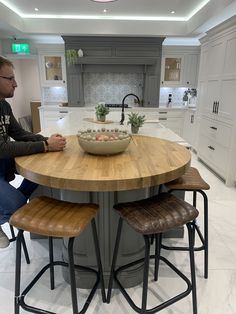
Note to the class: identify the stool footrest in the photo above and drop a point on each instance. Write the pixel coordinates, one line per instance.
(20, 299)
(183, 248)
(162, 305)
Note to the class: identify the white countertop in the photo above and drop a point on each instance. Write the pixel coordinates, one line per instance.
(71, 124)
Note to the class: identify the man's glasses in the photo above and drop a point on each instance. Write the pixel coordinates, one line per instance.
(11, 78)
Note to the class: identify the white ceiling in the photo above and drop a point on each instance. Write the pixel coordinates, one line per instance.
(123, 17)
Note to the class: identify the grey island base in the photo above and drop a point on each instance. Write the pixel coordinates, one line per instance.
(131, 244)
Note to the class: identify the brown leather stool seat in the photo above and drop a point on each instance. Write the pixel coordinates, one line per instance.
(54, 218)
(192, 181)
(157, 214)
(153, 216)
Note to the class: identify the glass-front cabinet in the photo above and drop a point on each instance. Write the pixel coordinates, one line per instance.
(179, 66)
(172, 71)
(52, 69)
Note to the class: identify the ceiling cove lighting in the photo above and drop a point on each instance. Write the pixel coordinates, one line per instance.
(98, 17)
(103, 0)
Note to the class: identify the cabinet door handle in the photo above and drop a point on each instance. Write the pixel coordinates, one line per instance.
(162, 112)
(213, 128)
(63, 111)
(210, 147)
(217, 106)
(192, 118)
(214, 106)
(162, 119)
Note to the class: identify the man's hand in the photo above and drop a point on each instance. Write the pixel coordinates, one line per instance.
(56, 142)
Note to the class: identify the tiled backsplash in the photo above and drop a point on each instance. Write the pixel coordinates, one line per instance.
(177, 95)
(55, 94)
(111, 87)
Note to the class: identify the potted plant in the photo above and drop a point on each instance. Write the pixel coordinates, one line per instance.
(71, 56)
(101, 111)
(136, 121)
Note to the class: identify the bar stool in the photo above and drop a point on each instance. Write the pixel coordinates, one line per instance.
(55, 218)
(153, 216)
(13, 238)
(193, 182)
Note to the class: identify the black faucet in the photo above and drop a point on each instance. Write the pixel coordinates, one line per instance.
(123, 107)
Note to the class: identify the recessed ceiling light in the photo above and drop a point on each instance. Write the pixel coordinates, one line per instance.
(172, 12)
(105, 10)
(103, 0)
(36, 9)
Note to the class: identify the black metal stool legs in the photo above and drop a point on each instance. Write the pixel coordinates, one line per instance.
(158, 240)
(203, 239)
(72, 276)
(51, 260)
(18, 271)
(98, 257)
(145, 274)
(13, 238)
(191, 285)
(113, 266)
(191, 231)
(19, 296)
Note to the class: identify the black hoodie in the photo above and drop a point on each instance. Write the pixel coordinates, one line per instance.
(23, 142)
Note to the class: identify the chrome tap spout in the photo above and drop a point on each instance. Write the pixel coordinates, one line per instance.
(123, 107)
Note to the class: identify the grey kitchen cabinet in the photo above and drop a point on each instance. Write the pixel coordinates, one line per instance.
(75, 87)
(115, 55)
(151, 91)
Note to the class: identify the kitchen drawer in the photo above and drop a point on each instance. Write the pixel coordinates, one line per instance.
(48, 118)
(175, 124)
(171, 113)
(218, 132)
(216, 156)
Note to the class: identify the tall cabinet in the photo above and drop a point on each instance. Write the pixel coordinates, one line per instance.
(217, 109)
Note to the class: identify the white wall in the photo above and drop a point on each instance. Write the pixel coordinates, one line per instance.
(27, 77)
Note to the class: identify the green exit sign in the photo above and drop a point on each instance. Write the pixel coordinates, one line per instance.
(20, 48)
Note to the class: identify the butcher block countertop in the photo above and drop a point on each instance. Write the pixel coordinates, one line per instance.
(148, 161)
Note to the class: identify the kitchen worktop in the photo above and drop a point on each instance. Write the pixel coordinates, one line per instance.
(78, 120)
(91, 108)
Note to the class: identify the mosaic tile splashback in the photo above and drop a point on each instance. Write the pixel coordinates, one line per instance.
(55, 94)
(112, 87)
(177, 95)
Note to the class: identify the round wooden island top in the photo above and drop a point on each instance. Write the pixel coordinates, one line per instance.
(148, 161)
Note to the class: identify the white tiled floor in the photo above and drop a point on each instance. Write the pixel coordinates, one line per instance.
(216, 295)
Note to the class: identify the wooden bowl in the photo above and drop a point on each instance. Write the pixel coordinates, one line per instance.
(103, 142)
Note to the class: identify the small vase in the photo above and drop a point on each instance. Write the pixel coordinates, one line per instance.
(134, 129)
(101, 118)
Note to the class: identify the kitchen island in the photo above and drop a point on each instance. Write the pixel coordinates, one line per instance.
(77, 176)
